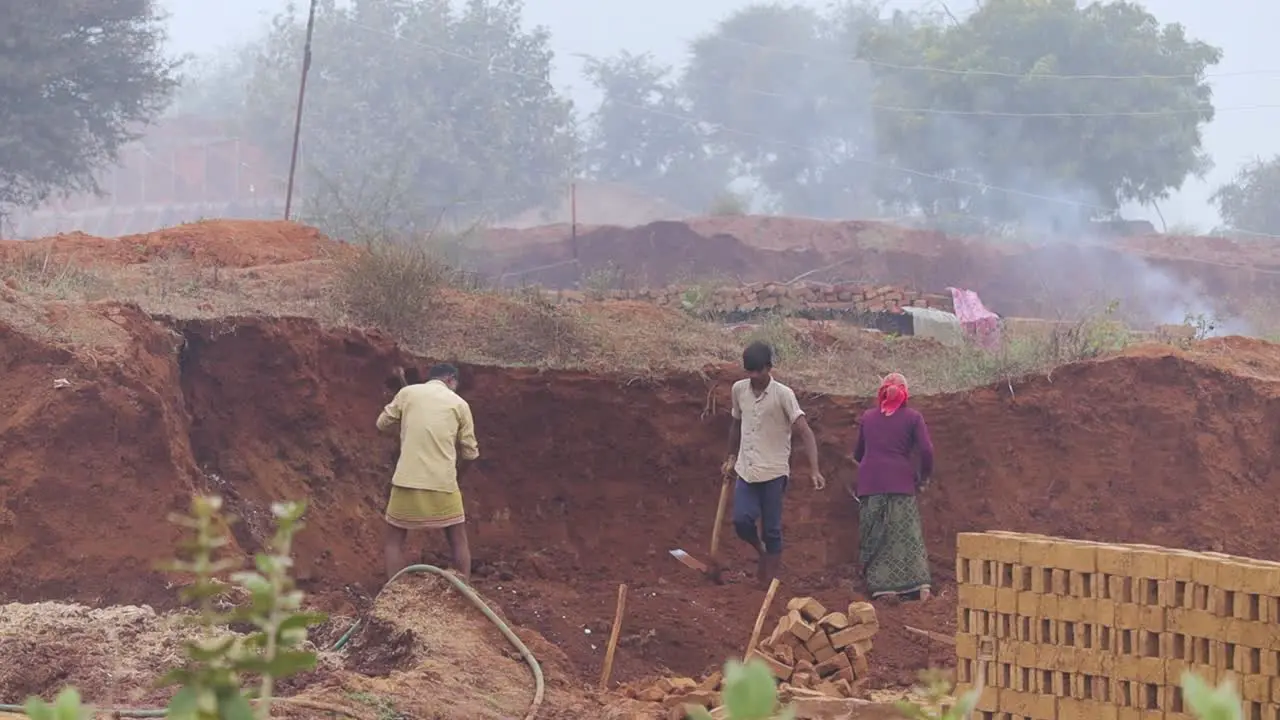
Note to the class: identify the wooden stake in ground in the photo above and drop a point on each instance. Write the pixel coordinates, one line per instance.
(607, 670)
(764, 612)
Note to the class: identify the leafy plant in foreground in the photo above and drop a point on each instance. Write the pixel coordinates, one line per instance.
(936, 688)
(211, 679)
(213, 676)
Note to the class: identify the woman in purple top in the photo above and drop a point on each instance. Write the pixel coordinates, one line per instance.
(892, 552)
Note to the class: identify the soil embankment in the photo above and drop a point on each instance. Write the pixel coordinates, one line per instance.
(587, 481)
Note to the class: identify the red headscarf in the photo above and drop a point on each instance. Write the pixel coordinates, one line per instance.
(893, 393)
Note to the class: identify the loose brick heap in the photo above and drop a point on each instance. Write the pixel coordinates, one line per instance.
(1066, 629)
(814, 650)
(818, 657)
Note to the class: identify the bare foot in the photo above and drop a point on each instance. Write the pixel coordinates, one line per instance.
(926, 595)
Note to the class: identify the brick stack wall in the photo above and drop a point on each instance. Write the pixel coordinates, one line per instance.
(1076, 630)
(851, 298)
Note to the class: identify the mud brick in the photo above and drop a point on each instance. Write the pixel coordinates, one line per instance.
(1085, 584)
(824, 653)
(1140, 669)
(1073, 709)
(817, 640)
(1061, 584)
(861, 612)
(831, 665)
(1005, 627)
(1270, 663)
(1028, 604)
(853, 634)
(1027, 705)
(988, 701)
(1150, 561)
(1044, 631)
(1145, 617)
(860, 649)
(779, 669)
(965, 570)
(1026, 654)
(1175, 669)
(988, 546)
(1049, 606)
(1196, 623)
(1116, 560)
(1007, 650)
(786, 654)
(1244, 633)
(834, 621)
(1036, 552)
(1071, 608)
(1006, 600)
(799, 627)
(978, 597)
(811, 610)
(1100, 612)
(803, 654)
(858, 660)
(1254, 687)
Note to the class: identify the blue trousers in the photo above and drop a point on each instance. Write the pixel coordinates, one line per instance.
(759, 503)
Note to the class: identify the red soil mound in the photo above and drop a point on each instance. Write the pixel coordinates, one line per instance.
(1155, 279)
(225, 243)
(586, 481)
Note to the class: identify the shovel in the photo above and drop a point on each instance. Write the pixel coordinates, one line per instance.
(712, 571)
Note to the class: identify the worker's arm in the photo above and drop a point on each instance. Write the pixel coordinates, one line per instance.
(735, 435)
(924, 444)
(468, 447)
(800, 426)
(390, 416)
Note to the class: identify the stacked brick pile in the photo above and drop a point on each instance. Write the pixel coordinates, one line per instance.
(764, 296)
(1064, 629)
(814, 650)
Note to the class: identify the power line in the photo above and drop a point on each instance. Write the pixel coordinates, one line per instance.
(985, 73)
(701, 123)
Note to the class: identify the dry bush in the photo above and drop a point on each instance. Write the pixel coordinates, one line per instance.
(41, 273)
(392, 284)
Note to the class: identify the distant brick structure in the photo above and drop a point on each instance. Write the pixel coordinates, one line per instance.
(1068, 630)
(751, 298)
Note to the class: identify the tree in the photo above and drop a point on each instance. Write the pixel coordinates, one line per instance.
(983, 103)
(432, 108)
(777, 85)
(77, 81)
(1249, 201)
(641, 134)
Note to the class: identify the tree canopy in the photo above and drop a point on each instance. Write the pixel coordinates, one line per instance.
(1099, 105)
(413, 104)
(77, 81)
(1249, 202)
(1022, 111)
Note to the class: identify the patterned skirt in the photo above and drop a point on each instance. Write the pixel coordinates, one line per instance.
(413, 509)
(892, 552)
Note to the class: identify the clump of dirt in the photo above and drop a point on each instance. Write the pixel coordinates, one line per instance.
(221, 243)
(113, 655)
(424, 642)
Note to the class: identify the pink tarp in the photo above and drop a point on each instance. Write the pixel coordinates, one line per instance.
(979, 324)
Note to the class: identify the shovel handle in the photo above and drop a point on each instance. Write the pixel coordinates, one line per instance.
(720, 511)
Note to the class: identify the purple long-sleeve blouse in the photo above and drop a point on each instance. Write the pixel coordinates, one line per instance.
(884, 452)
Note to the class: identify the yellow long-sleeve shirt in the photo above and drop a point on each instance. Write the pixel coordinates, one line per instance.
(435, 422)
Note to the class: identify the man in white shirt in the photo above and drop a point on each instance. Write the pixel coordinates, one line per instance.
(766, 415)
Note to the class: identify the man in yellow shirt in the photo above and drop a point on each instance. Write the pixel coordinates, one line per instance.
(437, 446)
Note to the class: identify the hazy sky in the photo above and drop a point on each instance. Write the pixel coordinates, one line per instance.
(1247, 89)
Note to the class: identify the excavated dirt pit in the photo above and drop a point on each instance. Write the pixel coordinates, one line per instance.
(588, 481)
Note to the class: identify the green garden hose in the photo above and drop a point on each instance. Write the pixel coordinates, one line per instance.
(538, 682)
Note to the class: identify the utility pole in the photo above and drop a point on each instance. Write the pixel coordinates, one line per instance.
(297, 121)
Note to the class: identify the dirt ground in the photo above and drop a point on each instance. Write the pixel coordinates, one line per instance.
(119, 411)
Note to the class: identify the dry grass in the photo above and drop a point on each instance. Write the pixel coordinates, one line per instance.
(410, 292)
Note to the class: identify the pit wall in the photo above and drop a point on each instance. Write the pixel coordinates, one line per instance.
(1069, 630)
(751, 298)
